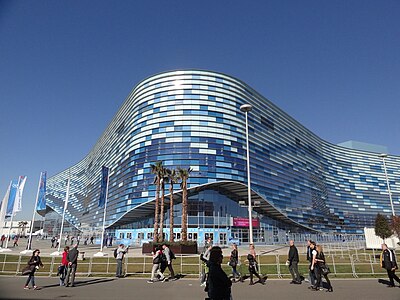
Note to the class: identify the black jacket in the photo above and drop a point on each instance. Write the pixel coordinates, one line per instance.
(34, 262)
(219, 285)
(293, 254)
(309, 255)
(389, 260)
(234, 258)
(72, 256)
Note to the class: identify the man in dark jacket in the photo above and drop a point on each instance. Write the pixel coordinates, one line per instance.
(388, 262)
(72, 259)
(218, 283)
(293, 260)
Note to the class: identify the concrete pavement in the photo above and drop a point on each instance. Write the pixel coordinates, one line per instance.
(131, 288)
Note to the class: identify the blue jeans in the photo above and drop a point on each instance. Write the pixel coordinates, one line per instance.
(31, 278)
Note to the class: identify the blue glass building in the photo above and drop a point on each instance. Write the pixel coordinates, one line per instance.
(191, 118)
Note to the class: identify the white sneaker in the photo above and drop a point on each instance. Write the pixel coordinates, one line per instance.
(150, 281)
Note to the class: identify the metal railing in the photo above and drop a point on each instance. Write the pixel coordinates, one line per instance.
(341, 265)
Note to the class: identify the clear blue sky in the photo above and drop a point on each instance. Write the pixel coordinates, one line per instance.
(67, 66)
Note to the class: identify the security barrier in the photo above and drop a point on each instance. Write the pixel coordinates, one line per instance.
(273, 265)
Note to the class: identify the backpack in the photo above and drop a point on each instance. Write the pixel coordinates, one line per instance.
(171, 254)
(115, 252)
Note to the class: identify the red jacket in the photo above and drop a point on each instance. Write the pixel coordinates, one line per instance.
(64, 261)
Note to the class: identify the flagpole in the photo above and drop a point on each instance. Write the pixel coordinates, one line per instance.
(63, 216)
(104, 216)
(12, 216)
(29, 245)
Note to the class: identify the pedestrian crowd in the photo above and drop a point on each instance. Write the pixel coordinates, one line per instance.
(215, 281)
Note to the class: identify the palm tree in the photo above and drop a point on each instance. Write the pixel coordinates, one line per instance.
(163, 178)
(172, 179)
(156, 169)
(183, 175)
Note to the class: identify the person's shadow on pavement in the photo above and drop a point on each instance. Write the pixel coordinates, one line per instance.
(81, 283)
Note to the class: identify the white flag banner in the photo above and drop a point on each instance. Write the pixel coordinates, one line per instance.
(18, 196)
(4, 208)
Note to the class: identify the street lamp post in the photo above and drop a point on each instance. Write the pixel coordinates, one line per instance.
(246, 108)
(383, 156)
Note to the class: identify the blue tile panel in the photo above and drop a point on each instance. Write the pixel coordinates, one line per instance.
(192, 118)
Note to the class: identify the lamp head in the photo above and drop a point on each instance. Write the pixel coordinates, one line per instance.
(246, 108)
(383, 155)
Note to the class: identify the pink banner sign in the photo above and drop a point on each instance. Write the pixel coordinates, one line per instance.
(244, 222)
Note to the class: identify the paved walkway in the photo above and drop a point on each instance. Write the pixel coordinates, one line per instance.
(184, 289)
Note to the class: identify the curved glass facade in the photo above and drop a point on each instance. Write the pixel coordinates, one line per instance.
(192, 118)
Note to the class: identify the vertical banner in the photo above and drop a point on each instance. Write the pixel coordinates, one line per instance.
(11, 198)
(4, 207)
(104, 186)
(18, 196)
(41, 198)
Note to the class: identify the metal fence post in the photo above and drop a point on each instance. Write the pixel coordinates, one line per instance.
(90, 266)
(333, 263)
(19, 263)
(181, 264)
(278, 267)
(353, 268)
(108, 264)
(4, 262)
(372, 266)
(144, 264)
(373, 253)
(51, 266)
(126, 266)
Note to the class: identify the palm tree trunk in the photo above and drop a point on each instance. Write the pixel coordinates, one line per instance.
(156, 213)
(171, 212)
(184, 212)
(161, 235)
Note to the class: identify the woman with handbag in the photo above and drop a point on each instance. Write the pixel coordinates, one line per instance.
(321, 270)
(33, 264)
(157, 260)
(234, 262)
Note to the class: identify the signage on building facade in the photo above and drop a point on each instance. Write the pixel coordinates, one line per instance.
(244, 222)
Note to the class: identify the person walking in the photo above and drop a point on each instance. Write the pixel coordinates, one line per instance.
(218, 284)
(311, 251)
(53, 239)
(157, 259)
(388, 262)
(169, 256)
(293, 260)
(234, 262)
(58, 241)
(72, 258)
(34, 263)
(3, 238)
(16, 241)
(121, 251)
(253, 269)
(320, 265)
(204, 257)
(91, 240)
(62, 269)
